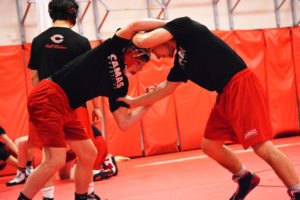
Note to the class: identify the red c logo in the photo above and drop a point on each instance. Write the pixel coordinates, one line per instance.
(57, 38)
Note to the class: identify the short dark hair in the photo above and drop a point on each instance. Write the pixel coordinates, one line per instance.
(63, 10)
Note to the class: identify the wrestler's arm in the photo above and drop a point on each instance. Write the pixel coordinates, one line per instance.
(140, 25)
(34, 77)
(125, 119)
(152, 38)
(162, 90)
(96, 113)
(9, 143)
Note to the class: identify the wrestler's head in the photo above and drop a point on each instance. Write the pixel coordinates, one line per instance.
(165, 50)
(134, 59)
(63, 10)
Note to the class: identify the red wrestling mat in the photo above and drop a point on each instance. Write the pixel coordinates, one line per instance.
(186, 175)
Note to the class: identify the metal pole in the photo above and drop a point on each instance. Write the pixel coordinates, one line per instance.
(26, 12)
(104, 18)
(22, 34)
(85, 10)
(216, 14)
(277, 14)
(163, 9)
(229, 5)
(21, 20)
(149, 11)
(235, 5)
(166, 16)
(294, 12)
(96, 17)
(80, 25)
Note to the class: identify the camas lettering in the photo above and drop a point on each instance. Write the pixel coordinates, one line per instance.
(115, 72)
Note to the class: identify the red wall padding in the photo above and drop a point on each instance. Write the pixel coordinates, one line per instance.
(193, 105)
(125, 143)
(273, 55)
(281, 82)
(159, 123)
(13, 93)
(295, 32)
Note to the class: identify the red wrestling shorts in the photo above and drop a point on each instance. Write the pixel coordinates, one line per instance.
(51, 120)
(83, 115)
(240, 113)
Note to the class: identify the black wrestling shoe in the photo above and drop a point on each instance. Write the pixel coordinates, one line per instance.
(246, 184)
(102, 174)
(93, 196)
(294, 194)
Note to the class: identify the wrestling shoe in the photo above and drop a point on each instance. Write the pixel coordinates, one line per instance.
(110, 163)
(28, 171)
(246, 184)
(93, 196)
(102, 174)
(19, 179)
(294, 194)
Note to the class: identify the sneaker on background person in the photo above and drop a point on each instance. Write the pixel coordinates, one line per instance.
(110, 163)
(19, 179)
(101, 174)
(28, 170)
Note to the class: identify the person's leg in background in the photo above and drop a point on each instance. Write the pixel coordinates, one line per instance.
(54, 160)
(23, 146)
(24, 165)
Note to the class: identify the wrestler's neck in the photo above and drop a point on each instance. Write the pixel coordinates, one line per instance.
(62, 23)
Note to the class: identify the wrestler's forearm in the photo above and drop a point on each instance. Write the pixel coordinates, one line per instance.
(161, 91)
(147, 24)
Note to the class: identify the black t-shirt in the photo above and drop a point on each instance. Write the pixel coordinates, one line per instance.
(96, 131)
(201, 56)
(54, 48)
(98, 72)
(2, 131)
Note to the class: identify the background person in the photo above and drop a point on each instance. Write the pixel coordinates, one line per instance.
(50, 51)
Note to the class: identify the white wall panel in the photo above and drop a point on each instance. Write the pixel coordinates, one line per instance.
(249, 14)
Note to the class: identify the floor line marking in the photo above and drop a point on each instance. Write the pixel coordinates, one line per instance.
(205, 156)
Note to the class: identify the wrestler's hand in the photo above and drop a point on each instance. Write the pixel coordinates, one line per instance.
(151, 88)
(96, 115)
(127, 99)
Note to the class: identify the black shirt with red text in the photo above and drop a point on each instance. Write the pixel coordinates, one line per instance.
(54, 48)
